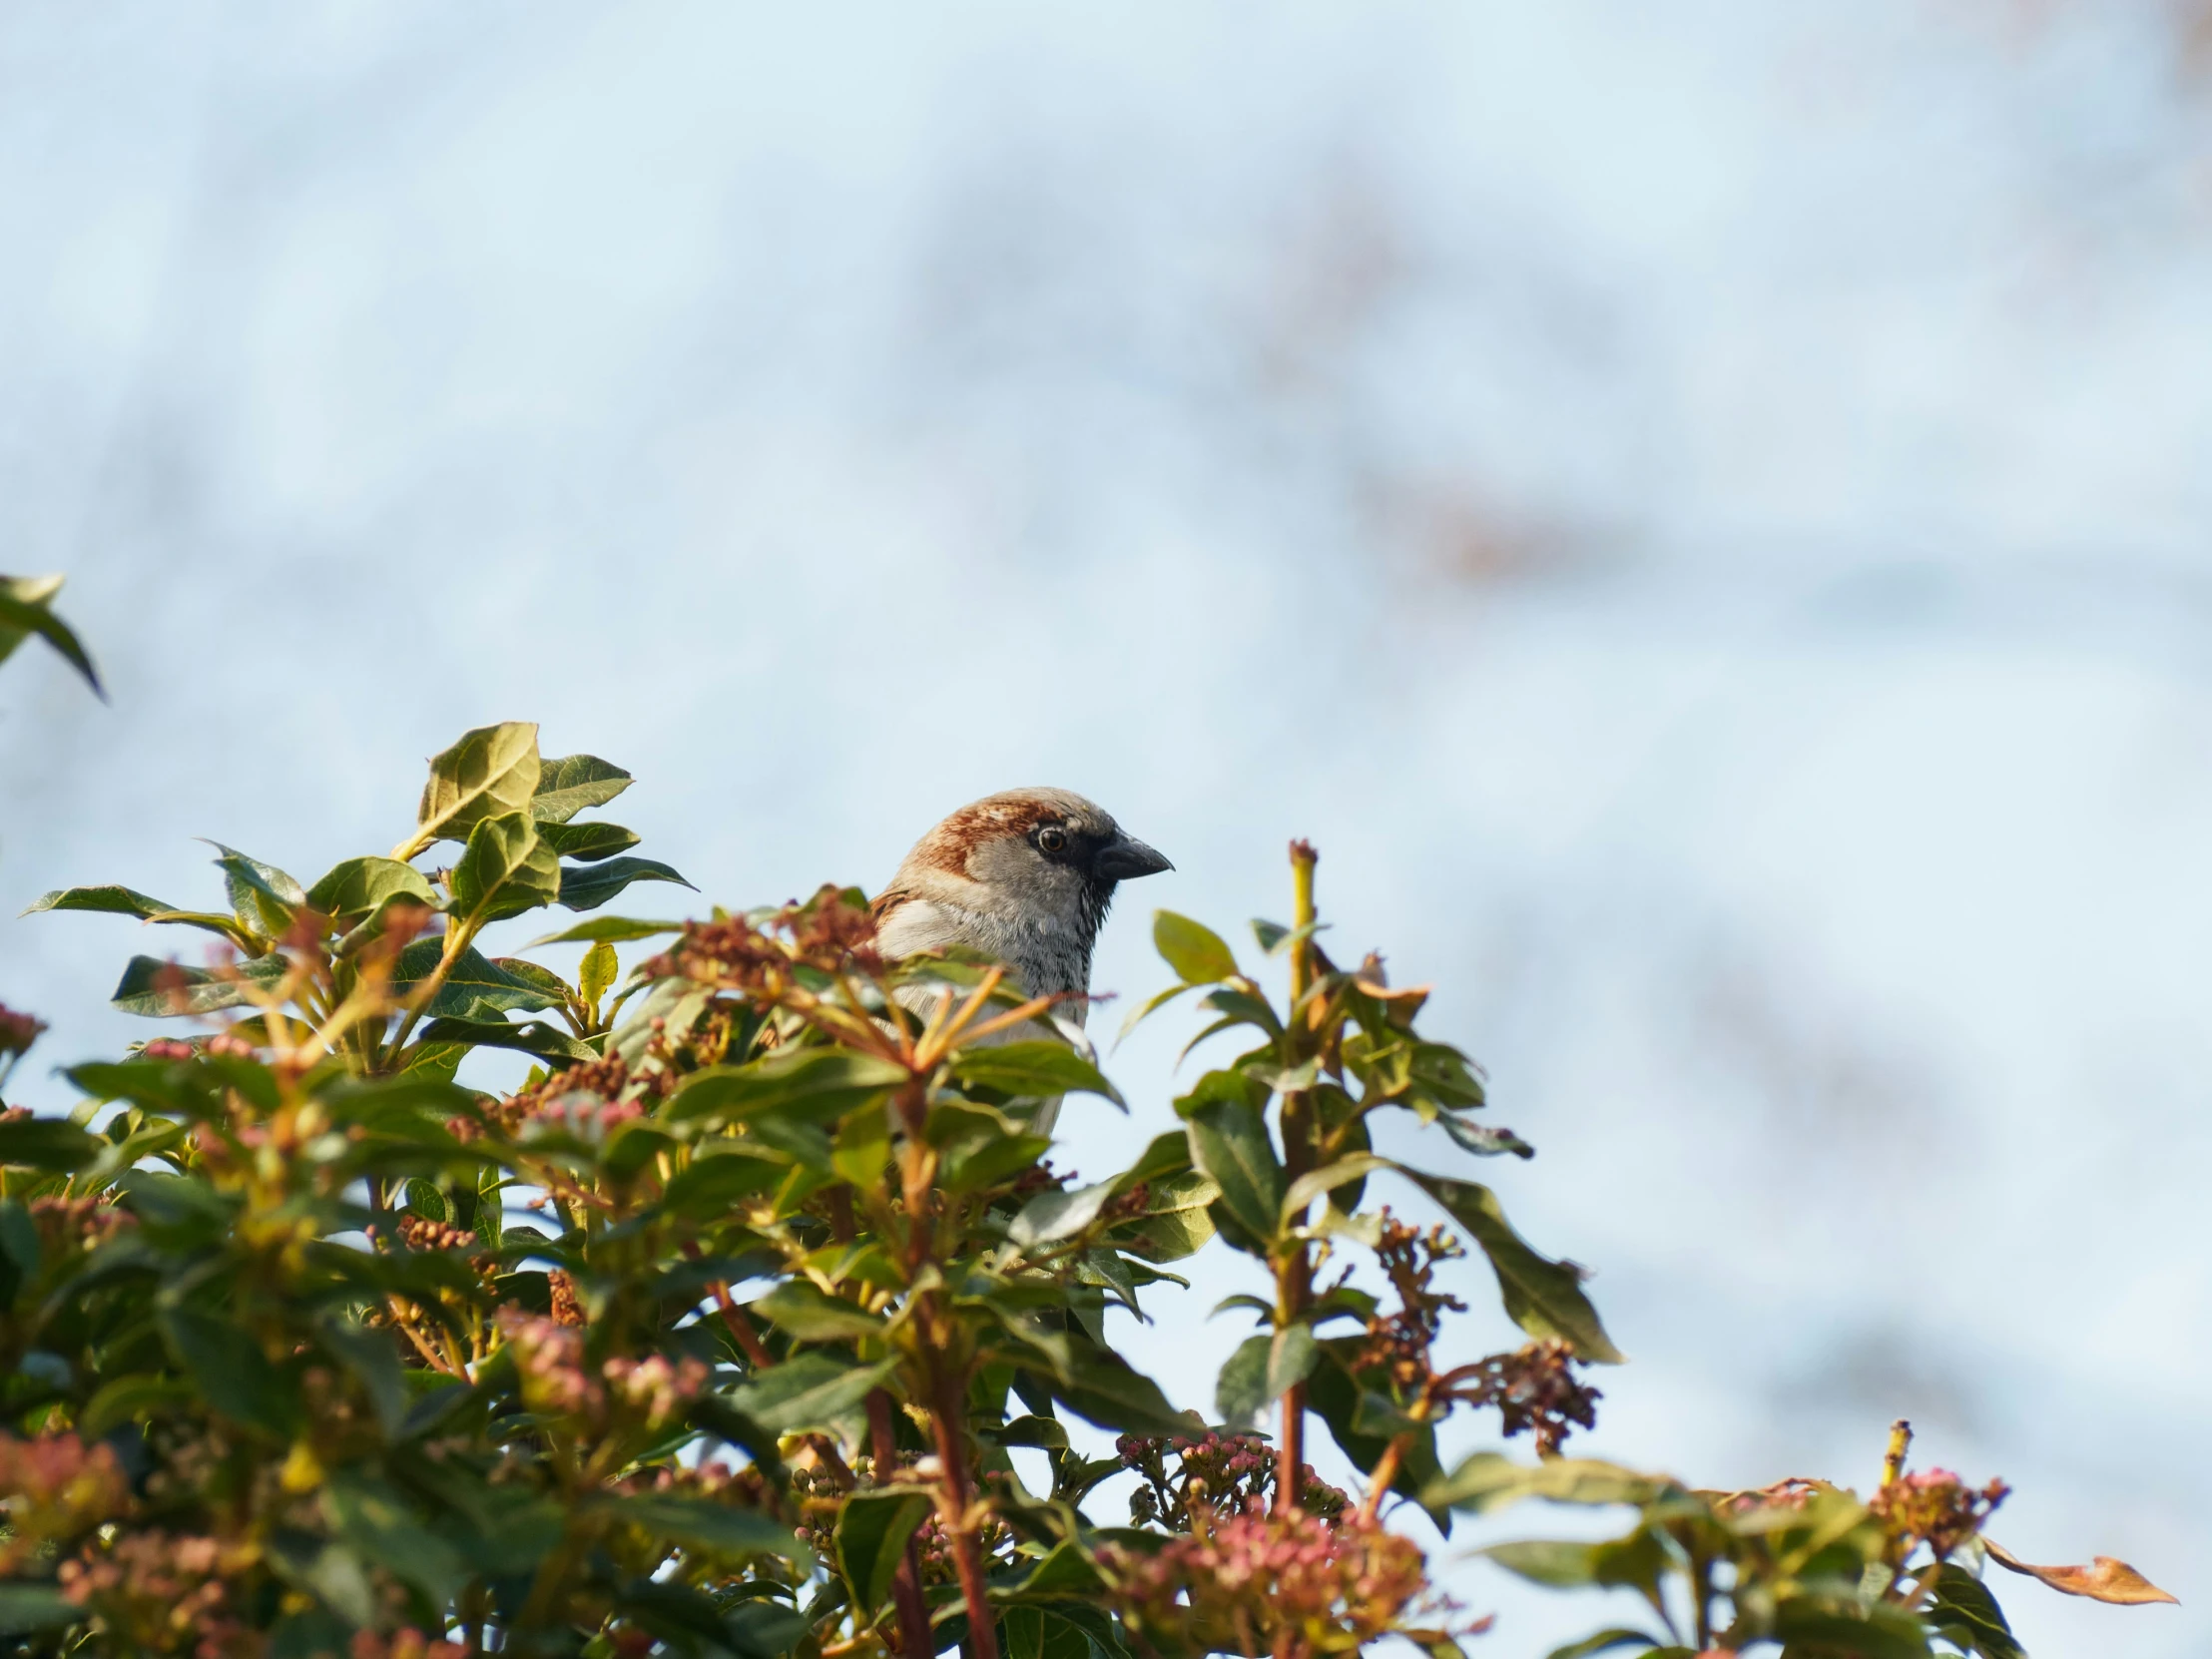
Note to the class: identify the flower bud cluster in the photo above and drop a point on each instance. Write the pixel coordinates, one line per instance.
(52, 1489)
(556, 1379)
(1934, 1507)
(161, 1592)
(17, 1031)
(1290, 1584)
(68, 1225)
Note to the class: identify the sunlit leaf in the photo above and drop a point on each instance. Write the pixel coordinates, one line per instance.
(504, 870)
(814, 1315)
(472, 979)
(699, 1524)
(606, 929)
(25, 609)
(47, 1143)
(537, 1036)
(489, 770)
(1199, 956)
(1050, 1217)
(587, 843)
(358, 888)
(573, 782)
(1332, 1178)
(1030, 1068)
(822, 1082)
(1489, 1481)
(1964, 1612)
(232, 1373)
(811, 1391)
(1230, 1146)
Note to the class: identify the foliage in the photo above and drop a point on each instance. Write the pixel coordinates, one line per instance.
(716, 1336)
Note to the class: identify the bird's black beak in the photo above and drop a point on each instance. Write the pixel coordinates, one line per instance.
(1124, 858)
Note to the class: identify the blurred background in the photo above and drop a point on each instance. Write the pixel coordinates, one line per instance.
(1700, 510)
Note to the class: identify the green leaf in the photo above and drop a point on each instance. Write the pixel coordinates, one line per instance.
(1103, 1389)
(1489, 1481)
(166, 990)
(1314, 1183)
(586, 886)
(1242, 1387)
(709, 1187)
(1965, 1613)
(263, 898)
(607, 931)
(374, 1363)
(375, 1521)
(1199, 956)
(1230, 1145)
(25, 603)
(132, 1400)
(110, 900)
(1030, 1068)
(814, 1315)
(540, 1037)
(358, 888)
(1603, 1642)
(574, 783)
(597, 973)
(698, 1523)
(1262, 1370)
(489, 770)
(820, 1083)
(1482, 1140)
(1050, 1217)
(1807, 1624)
(871, 1536)
(48, 1144)
(28, 1607)
(809, 1392)
(472, 979)
(587, 843)
(504, 871)
(1635, 1561)
(1543, 1296)
(232, 1372)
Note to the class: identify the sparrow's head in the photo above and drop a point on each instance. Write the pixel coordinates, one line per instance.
(1041, 859)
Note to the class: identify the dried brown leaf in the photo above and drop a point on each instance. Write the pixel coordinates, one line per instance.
(2104, 1579)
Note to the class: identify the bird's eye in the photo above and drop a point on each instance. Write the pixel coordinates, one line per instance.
(1052, 838)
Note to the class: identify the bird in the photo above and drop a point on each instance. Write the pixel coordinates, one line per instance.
(1025, 877)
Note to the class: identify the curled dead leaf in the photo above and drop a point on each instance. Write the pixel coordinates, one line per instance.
(2104, 1579)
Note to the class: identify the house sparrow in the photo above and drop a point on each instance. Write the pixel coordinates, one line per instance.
(1024, 876)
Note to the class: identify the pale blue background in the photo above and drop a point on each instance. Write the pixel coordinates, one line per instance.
(1701, 510)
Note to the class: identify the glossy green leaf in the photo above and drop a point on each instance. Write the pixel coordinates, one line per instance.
(586, 886)
(112, 900)
(472, 979)
(709, 1188)
(358, 888)
(1030, 1068)
(1636, 1562)
(1199, 956)
(871, 1535)
(1051, 1217)
(1806, 1624)
(1242, 1387)
(489, 770)
(1543, 1296)
(536, 1037)
(26, 609)
(1489, 1481)
(263, 898)
(820, 1083)
(505, 869)
(1103, 1389)
(607, 930)
(587, 843)
(166, 990)
(812, 1390)
(814, 1315)
(1230, 1146)
(1964, 1612)
(573, 784)
(1332, 1178)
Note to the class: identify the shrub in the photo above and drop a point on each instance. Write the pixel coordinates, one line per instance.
(310, 1348)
